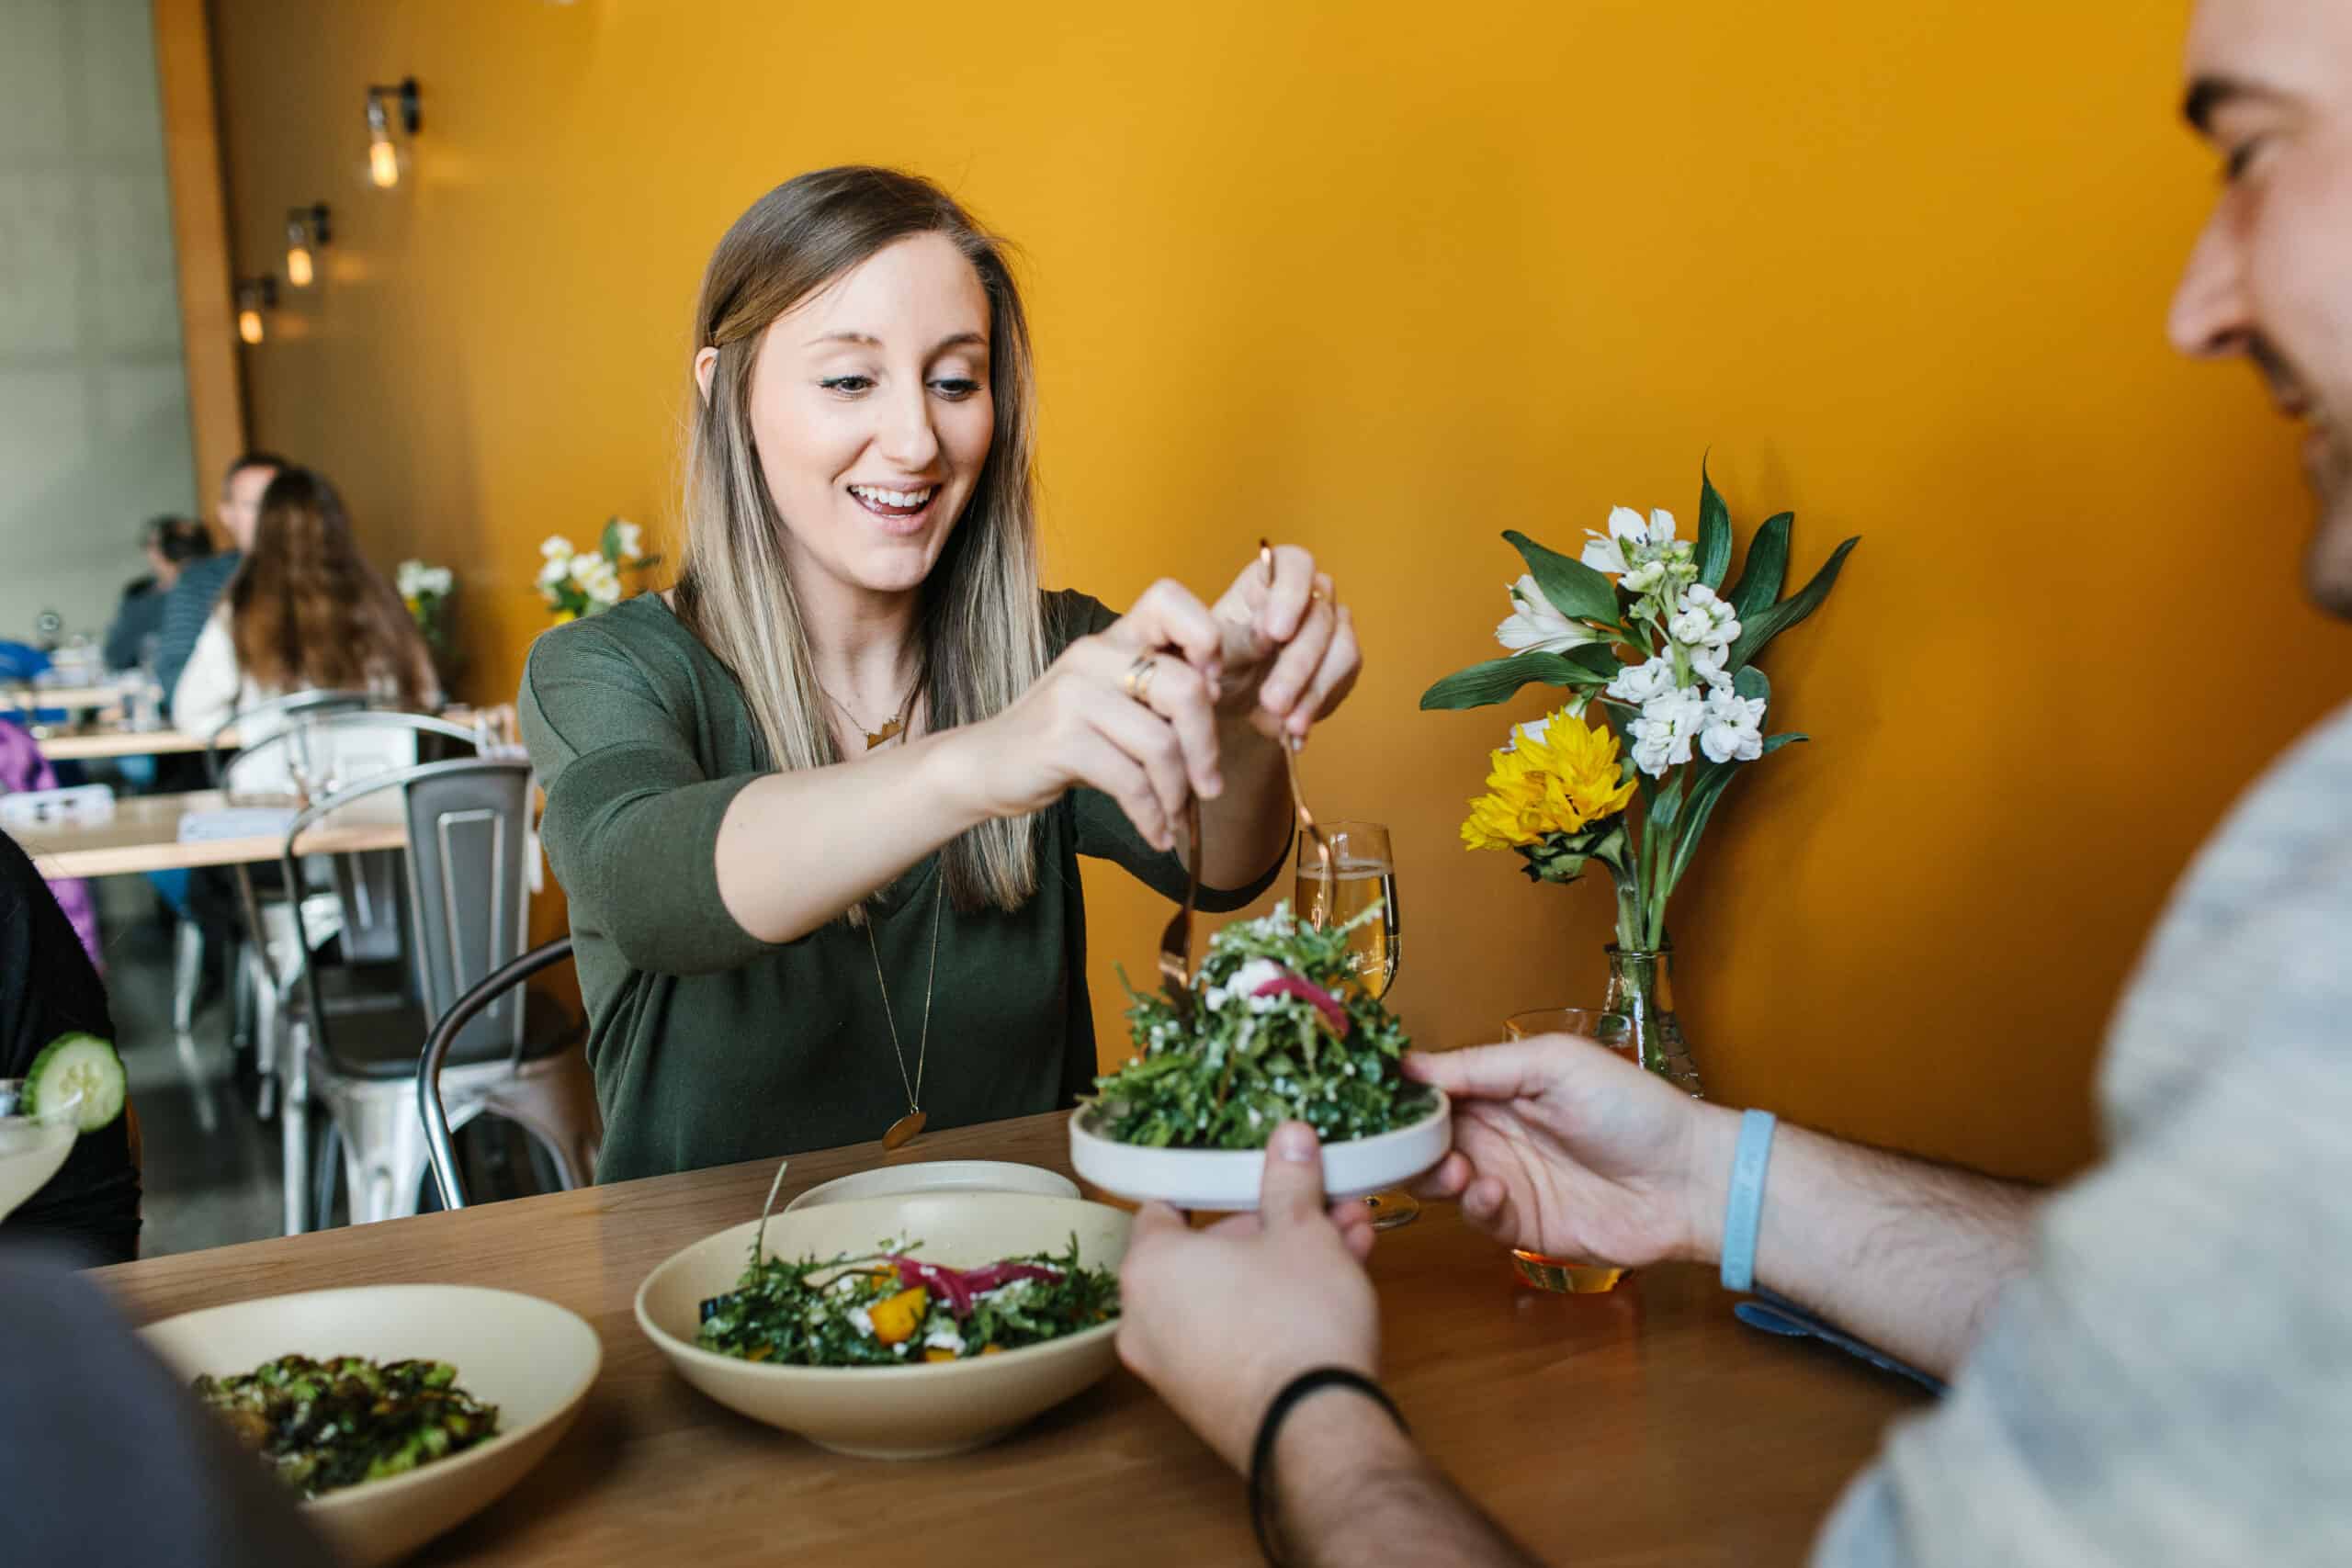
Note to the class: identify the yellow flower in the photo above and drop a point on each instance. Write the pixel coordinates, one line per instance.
(562, 616)
(1560, 783)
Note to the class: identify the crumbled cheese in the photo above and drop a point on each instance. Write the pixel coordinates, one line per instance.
(901, 1347)
(863, 1319)
(845, 1284)
(944, 1340)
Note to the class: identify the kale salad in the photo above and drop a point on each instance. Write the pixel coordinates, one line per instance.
(321, 1425)
(1279, 1032)
(891, 1308)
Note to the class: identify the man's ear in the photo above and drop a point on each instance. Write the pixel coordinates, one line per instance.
(706, 361)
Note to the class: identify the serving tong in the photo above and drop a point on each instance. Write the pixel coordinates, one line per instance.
(1176, 941)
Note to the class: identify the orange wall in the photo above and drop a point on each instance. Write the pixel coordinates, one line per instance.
(1385, 287)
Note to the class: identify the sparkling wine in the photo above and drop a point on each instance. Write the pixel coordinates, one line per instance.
(1375, 947)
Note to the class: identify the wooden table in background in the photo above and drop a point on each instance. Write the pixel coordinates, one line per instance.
(143, 835)
(1644, 1427)
(89, 745)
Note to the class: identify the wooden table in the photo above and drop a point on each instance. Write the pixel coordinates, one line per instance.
(1646, 1426)
(23, 696)
(143, 835)
(90, 745)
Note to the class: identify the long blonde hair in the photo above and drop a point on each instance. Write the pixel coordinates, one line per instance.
(981, 621)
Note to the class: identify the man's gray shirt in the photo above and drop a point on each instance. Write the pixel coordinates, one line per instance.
(185, 609)
(2171, 1383)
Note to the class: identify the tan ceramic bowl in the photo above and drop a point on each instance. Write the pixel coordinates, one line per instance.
(911, 1412)
(531, 1358)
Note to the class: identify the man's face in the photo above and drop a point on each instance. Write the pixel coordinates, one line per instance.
(2270, 88)
(241, 504)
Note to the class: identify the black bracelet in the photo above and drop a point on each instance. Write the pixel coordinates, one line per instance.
(1261, 1452)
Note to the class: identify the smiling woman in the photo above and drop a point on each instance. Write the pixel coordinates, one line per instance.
(824, 803)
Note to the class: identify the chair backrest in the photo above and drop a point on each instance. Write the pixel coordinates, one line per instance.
(467, 893)
(367, 742)
(342, 746)
(490, 991)
(266, 719)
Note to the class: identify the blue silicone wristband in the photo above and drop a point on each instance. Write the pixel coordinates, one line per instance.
(1746, 1205)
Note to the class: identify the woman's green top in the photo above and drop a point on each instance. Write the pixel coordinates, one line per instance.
(709, 1045)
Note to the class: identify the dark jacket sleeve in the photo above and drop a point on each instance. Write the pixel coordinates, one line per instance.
(48, 988)
(137, 618)
(111, 1463)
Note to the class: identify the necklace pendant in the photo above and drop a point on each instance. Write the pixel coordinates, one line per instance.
(875, 738)
(904, 1131)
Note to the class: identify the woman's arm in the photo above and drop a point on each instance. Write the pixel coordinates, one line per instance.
(206, 697)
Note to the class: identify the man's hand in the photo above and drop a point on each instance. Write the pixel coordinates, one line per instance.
(1564, 1147)
(1217, 1321)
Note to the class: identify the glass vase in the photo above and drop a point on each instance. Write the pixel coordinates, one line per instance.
(1641, 991)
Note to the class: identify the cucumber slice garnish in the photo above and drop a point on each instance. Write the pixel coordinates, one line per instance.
(75, 1065)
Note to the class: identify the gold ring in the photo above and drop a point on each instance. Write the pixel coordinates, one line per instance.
(1137, 680)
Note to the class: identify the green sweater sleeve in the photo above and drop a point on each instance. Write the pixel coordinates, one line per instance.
(632, 819)
(1103, 830)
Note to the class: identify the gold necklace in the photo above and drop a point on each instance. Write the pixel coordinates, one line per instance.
(897, 723)
(902, 1131)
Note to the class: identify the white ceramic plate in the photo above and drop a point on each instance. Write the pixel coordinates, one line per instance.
(910, 1412)
(531, 1358)
(939, 1176)
(1230, 1179)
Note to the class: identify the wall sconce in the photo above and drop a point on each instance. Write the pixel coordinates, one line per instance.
(383, 156)
(254, 295)
(306, 229)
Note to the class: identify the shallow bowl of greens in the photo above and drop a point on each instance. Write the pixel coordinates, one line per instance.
(902, 1406)
(1229, 1180)
(530, 1359)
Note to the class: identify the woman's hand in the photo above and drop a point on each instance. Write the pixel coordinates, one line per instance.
(1564, 1147)
(1289, 648)
(1130, 711)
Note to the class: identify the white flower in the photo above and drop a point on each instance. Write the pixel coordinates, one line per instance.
(1734, 730)
(1709, 664)
(1644, 576)
(1702, 620)
(555, 546)
(1534, 624)
(627, 535)
(1644, 682)
(555, 571)
(408, 579)
(1662, 736)
(584, 566)
(437, 579)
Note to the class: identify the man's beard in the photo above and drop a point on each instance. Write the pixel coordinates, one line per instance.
(2327, 562)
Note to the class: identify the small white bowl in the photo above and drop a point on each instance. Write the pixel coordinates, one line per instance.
(1229, 1180)
(939, 1176)
(531, 1358)
(919, 1410)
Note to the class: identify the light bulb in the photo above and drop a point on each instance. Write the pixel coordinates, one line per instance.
(383, 161)
(298, 265)
(249, 324)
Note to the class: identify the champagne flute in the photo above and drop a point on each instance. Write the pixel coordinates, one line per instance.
(1363, 872)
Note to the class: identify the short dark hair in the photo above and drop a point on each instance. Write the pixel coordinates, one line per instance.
(178, 538)
(256, 459)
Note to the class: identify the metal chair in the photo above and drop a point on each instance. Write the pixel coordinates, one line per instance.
(313, 703)
(558, 1109)
(467, 900)
(187, 967)
(362, 905)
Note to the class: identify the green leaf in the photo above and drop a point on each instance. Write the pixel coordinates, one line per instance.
(1715, 532)
(1774, 743)
(1483, 685)
(1574, 589)
(1771, 623)
(608, 543)
(1706, 789)
(1752, 684)
(1767, 567)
